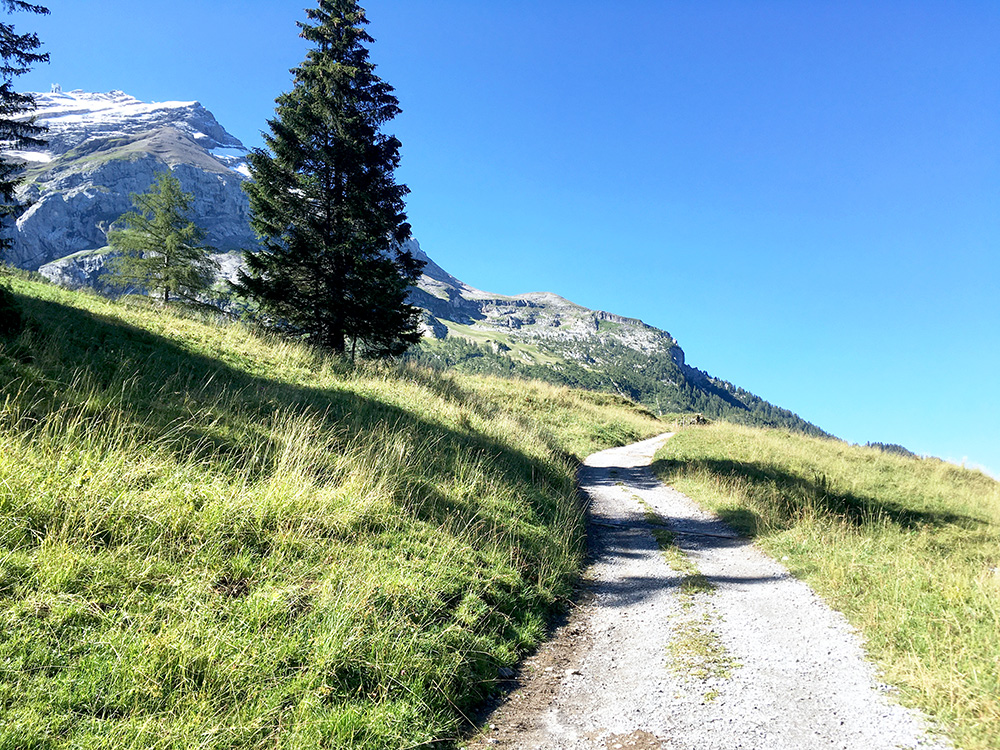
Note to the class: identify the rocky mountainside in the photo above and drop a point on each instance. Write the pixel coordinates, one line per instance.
(101, 148)
(540, 317)
(543, 336)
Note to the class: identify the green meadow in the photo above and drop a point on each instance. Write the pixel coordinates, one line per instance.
(907, 548)
(210, 538)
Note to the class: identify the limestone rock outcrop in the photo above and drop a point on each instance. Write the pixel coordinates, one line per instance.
(102, 148)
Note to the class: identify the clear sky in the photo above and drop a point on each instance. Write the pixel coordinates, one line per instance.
(805, 194)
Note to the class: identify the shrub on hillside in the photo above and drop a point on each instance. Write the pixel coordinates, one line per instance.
(10, 313)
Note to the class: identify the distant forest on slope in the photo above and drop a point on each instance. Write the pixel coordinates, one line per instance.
(652, 379)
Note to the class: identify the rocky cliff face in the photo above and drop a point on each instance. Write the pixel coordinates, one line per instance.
(537, 320)
(100, 149)
(104, 147)
(544, 336)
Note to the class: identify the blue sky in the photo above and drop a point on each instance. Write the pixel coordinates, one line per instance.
(805, 194)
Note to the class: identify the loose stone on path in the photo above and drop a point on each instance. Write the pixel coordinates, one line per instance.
(755, 660)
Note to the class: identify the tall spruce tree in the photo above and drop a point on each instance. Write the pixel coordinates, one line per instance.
(18, 53)
(325, 203)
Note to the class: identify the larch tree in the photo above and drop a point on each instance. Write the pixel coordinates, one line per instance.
(332, 267)
(159, 248)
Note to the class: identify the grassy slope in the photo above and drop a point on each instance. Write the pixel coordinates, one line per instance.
(212, 539)
(600, 363)
(908, 549)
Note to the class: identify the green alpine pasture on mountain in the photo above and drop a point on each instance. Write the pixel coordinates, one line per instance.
(907, 548)
(599, 362)
(212, 538)
(215, 539)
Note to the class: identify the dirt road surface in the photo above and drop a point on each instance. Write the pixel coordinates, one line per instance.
(724, 651)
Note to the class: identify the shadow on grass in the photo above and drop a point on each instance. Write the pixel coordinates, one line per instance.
(791, 494)
(155, 385)
(72, 363)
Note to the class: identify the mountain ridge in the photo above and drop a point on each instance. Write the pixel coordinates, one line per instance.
(544, 336)
(103, 147)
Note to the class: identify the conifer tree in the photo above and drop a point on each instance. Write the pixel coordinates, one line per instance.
(160, 248)
(325, 203)
(18, 53)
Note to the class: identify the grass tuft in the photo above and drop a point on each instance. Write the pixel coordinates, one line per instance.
(695, 650)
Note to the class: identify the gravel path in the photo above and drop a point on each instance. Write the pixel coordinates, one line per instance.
(743, 656)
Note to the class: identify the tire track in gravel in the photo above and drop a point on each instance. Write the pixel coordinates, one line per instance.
(754, 659)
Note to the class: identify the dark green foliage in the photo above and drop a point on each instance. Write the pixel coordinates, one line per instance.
(462, 354)
(653, 379)
(895, 448)
(10, 313)
(19, 53)
(326, 205)
(160, 249)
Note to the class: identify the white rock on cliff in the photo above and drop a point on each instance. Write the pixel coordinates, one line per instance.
(102, 148)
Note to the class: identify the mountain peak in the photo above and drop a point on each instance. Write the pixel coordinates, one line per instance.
(74, 116)
(102, 147)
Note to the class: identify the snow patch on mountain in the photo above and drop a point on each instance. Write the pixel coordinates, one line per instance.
(101, 148)
(73, 117)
